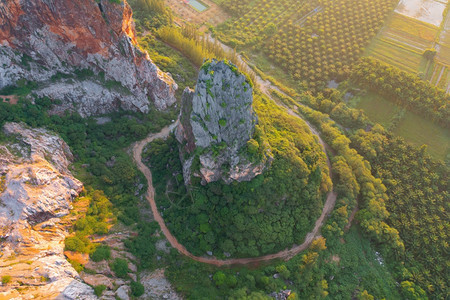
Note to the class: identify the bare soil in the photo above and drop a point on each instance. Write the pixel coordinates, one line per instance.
(429, 11)
(11, 99)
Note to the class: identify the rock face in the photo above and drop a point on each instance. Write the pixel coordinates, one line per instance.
(157, 286)
(36, 190)
(81, 52)
(217, 123)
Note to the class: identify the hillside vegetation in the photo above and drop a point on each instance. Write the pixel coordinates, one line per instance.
(268, 214)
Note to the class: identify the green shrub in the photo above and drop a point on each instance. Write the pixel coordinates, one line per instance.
(137, 288)
(120, 267)
(73, 243)
(219, 278)
(102, 252)
(76, 265)
(222, 122)
(6, 279)
(231, 281)
(81, 224)
(252, 146)
(101, 228)
(89, 271)
(98, 289)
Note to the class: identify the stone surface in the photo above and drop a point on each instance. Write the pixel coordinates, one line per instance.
(42, 39)
(36, 191)
(157, 286)
(123, 292)
(217, 122)
(97, 279)
(100, 267)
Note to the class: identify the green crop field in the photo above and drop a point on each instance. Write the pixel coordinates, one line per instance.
(396, 54)
(412, 127)
(402, 42)
(377, 108)
(419, 131)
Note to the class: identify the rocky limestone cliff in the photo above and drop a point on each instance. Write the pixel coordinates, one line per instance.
(36, 191)
(217, 123)
(47, 41)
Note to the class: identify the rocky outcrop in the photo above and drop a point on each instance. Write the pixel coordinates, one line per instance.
(217, 125)
(56, 42)
(157, 286)
(36, 191)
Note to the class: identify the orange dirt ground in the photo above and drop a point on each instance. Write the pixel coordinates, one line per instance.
(12, 99)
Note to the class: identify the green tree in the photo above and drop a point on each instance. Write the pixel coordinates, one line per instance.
(120, 267)
(219, 278)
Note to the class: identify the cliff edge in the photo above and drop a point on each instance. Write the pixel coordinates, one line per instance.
(82, 52)
(36, 191)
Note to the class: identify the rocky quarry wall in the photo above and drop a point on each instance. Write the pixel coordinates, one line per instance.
(36, 191)
(47, 41)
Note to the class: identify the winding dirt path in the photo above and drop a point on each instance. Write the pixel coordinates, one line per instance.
(150, 195)
(286, 254)
(265, 86)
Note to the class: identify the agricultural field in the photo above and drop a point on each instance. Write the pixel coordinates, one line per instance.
(313, 41)
(412, 28)
(413, 128)
(402, 43)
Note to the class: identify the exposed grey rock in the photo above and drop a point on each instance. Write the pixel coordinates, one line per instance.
(122, 292)
(40, 39)
(97, 279)
(36, 190)
(222, 107)
(76, 290)
(37, 185)
(157, 286)
(217, 121)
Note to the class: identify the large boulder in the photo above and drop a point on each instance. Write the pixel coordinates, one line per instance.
(82, 52)
(217, 125)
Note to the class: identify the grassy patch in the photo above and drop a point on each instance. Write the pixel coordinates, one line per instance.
(402, 43)
(98, 289)
(396, 54)
(6, 279)
(378, 109)
(419, 131)
(413, 128)
(353, 262)
(414, 27)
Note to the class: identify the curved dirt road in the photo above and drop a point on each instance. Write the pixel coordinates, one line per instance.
(150, 195)
(287, 254)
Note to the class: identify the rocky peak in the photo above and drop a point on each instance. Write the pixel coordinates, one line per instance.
(47, 41)
(36, 191)
(222, 107)
(217, 123)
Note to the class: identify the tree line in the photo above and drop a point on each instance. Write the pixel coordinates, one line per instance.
(405, 89)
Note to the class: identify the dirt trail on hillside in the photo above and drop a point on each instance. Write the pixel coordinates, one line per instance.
(265, 87)
(286, 254)
(150, 195)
